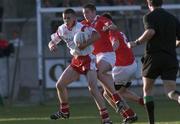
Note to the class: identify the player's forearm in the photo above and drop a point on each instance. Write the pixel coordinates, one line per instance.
(146, 36)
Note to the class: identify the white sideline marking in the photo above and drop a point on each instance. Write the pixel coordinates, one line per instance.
(44, 118)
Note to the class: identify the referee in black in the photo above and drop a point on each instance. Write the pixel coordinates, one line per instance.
(162, 36)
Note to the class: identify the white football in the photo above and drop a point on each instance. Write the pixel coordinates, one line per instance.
(80, 37)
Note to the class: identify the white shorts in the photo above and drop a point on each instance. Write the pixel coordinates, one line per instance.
(109, 57)
(123, 74)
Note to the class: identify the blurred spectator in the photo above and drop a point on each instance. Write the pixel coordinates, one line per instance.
(5, 47)
(16, 41)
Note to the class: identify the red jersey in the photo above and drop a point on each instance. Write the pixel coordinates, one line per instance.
(3, 44)
(124, 55)
(103, 44)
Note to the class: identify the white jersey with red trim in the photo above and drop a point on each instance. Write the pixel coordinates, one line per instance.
(67, 35)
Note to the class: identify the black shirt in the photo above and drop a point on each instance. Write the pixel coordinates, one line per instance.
(167, 30)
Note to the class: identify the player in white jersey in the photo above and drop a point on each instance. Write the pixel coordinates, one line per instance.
(83, 62)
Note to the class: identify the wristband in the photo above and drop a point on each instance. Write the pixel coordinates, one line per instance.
(137, 42)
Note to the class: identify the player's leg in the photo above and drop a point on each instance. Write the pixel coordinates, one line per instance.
(121, 77)
(130, 95)
(148, 98)
(94, 90)
(169, 81)
(105, 61)
(65, 79)
(106, 79)
(126, 112)
(170, 90)
(104, 64)
(107, 82)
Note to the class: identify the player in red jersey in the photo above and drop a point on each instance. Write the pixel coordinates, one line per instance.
(125, 66)
(105, 59)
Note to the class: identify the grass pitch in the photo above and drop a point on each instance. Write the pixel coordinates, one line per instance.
(84, 111)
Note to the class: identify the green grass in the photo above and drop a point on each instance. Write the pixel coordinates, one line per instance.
(84, 111)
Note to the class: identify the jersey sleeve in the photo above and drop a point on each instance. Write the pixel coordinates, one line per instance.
(56, 37)
(148, 22)
(178, 29)
(124, 37)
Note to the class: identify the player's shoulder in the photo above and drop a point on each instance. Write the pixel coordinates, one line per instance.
(62, 27)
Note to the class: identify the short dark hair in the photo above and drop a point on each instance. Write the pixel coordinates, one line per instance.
(69, 11)
(90, 6)
(156, 3)
(107, 15)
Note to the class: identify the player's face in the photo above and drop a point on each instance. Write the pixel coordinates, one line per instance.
(69, 19)
(89, 14)
(149, 5)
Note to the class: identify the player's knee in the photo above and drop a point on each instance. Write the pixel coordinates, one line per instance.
(59, 85)
(90, 90)
(100, 73)
(173, 94)
(92, 87)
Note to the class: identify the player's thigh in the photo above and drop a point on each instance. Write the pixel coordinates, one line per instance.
(92, 78)
(105, 61)
(69, 75)
(103, 66)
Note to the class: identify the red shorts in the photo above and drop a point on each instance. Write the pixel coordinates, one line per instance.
(81, 64)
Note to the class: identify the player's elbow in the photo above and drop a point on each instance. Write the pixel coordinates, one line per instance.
(148, 34)
(151, 33)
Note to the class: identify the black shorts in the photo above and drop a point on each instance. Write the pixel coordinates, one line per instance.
(160, 64)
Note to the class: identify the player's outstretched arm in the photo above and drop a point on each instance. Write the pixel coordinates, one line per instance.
(145, 37)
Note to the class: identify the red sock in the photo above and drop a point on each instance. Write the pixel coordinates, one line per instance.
(129, 112)
(116, 97)
(141, 102)
(64, 107)
(124, 114)
(104, 114)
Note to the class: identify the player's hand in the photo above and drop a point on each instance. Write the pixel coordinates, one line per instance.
(81, 46)
(131, 44)
(52, 46)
